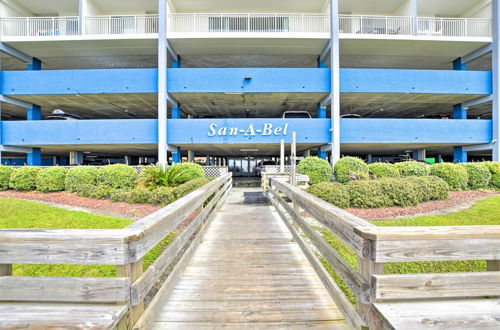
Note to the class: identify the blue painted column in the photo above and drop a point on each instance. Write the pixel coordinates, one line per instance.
(321, 114)
(35, 113)
(459, 112)
(496, 80)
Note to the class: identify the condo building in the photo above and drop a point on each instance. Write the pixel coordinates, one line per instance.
(224, 82)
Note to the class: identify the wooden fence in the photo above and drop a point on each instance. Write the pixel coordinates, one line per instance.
(124, 248)
(397, 301)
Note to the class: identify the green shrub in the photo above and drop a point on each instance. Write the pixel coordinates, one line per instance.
(159, 176)
(79, 176)
(401, 192)
(332, 192)
(495, 181)
(117, 176)
(479, 175)
(384, 170)
(5, 172)
(494, 167)
(186, 188)
(140, 196)
(367, 194)
(318, 170)
(162, 196)
(430, 187)
(120, 195)
(24, 178)
(413, 168)
(349, 164)
(51, 179)
(456, 176)
(93, 191)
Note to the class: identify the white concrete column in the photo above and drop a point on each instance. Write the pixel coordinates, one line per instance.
(162, 82)
(190, 156)
(335, 80)
(76, 158)
(282, 156)
(496, 80)
(293, 156)
(307, 153)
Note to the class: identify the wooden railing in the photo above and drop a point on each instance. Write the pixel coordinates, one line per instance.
(124, 248)
(375, 246)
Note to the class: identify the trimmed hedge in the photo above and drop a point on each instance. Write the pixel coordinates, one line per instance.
(413, 168)
(430, 187)
(368, 194)
(332, 192)
(382, 192)
(479, 175)
(456, 176)
(24, 178)
(93, 191)
(318, 170)
(80, 176)
(51, 179)
(186, 188)
(495, 181)
(349, 164)
(5, 172)
(384, 170)
(494, 167)
(117, 176)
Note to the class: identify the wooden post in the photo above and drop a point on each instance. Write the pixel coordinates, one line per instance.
(493, 265)
(282, 157)
(366, 268)
(5, 270)
(294, 159)
(132, 271)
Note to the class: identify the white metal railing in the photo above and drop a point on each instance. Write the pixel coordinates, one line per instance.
(426, 26)
(387, 25)
(122, 24)
(454, 27)
(39, 26)
(206, 22)
(310, 23)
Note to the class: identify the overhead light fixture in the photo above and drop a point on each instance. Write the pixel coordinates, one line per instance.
(249, 150)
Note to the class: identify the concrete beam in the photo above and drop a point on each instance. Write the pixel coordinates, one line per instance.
(477, 54)
(481, 100)
(246, 80)
(478, 147)
(4, 48)
(18, 103)
(23, 150)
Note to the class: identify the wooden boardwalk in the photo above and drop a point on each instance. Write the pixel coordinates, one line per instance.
(249, 274)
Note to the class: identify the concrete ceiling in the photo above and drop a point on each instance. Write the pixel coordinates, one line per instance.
(254, 6)
(49, 8)
(371, 7)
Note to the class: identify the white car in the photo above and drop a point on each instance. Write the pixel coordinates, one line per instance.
(296, 115)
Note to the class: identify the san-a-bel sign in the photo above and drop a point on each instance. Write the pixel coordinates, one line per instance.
(266, 129)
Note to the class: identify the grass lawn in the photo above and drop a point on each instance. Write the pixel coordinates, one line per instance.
(26, 214)
(484, 212)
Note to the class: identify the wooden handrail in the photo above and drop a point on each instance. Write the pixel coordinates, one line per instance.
(378, 245)
(124, 248)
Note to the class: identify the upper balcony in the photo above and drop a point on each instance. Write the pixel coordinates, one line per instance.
(245, 25)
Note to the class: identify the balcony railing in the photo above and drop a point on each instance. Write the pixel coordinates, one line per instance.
(123, 24)
(295, 23)
(224, 23)
(39, 26)
(426, 26)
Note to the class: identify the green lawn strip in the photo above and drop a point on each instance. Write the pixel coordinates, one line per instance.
(484, 212)
(19, 214)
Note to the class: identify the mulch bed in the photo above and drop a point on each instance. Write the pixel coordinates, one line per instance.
(126, 210)
(455, 199)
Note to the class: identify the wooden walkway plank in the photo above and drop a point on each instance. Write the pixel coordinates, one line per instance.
(248, 273)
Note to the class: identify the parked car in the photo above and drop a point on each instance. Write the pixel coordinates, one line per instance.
(351, 115)
(261, 166)
(296, 115)
(58, 114)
